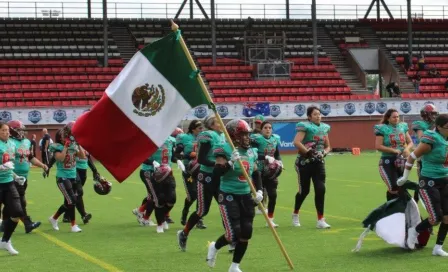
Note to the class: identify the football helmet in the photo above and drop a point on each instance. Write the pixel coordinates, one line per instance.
(162, 172)
(176, 132)
(272, 170)
(102, 186)
(193, 167)
(429, 113)
(239, 132)
(16, 129)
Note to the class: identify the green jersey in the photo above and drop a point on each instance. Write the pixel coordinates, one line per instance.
(7, 151)
(435, 163)
(314, 133)
(21, 161)
(421, 125)
(67, 167)
(265, 146)
(393, 136)
(81, 163)
(215, 139)
(190, 144)
(233, 181)
(162, 155)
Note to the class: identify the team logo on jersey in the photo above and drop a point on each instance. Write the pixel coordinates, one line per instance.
(349, 108)
(405, 107)
(386, 161)
(148, 101)
(147, 174)
(200, 112)
(59, 116)
(421, 183)
(431, 183)
(223, 111)
(34, 116)
(229, 198)
(200, 176)
(275, 110)
(369, 107)
(381, 107)
(299, 109)
(5, 116)
(208, 179)
(220, 198)
(325, 109)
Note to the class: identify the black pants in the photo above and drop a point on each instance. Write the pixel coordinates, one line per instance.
(314, 171)
(434, 195)
(271, 189)
(390, 174)
(81, 178)
(207, 189)
(163, 194)
(21, 189)
(190, 184)
(237, 212)
(10, 198)
(70, 188)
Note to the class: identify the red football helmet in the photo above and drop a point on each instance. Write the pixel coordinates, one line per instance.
(102, 186)
(272, 170)
(16, 129)
(193, 168)
(239, 132)
(68, 130)
(429, 113)
(162, 172)
(176, 132)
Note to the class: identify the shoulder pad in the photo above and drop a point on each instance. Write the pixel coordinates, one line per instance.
(378, 129)
(302, 126)
(56, 147)
(429, 137)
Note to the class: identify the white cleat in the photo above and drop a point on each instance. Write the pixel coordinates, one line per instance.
(438, 251)
(295, 220)
(54, 223)
(165, 225)
(235, 268)
(271, 221)
(160, 229)
(211, 255)
(8, 247)
(75, 229)
(412, 238)
(146, 223)
(321, 224)
(137, 213)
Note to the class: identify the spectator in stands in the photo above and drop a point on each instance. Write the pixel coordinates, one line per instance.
(249, 23)
(433, 72)
(44, 145)
(33, 145)
(393, 89)
(417, 80)
(421, 62)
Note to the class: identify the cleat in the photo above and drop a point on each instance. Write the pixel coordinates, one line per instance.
(231, 247)
(438, 251)
(295, 220)
(137, 213)
(169, 220)
(54, 223)
(200, 224)
(235, 268)
(75, 229)
(182, 240)
(146, 222)
(86, 218)
(29, 228)
(165, 225)
(271, 221)
(321, 224)
(160, 229)
(211, 255)
(8, 247)
(412, 238)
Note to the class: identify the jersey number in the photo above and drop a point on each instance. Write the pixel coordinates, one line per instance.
(393, 142)
(69, 161)
(165, 156)
(246, 165)
(24, 154)
(5, 158)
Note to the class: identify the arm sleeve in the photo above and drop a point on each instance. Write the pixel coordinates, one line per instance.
(256, 178)
(277, 154)
(203, 152)
(91, 165)
(52, 161)
(178, 150)
(220, 169)
(174, 157)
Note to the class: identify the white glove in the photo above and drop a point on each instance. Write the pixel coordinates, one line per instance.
(235, 156)
(258, 197)
(269, 159)
(155, 164)
(7, 166)
(280, 163)
(20, 180)
(181, 165)
(402, 180)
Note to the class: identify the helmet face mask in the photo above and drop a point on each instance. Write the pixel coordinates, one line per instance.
(429, 113)
(102, 186)
(239, 133)
(16, 129)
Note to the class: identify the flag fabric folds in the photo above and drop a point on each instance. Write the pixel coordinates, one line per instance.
(251, 109)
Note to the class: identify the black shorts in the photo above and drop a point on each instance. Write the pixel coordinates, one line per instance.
(389, 172)
(9, 196)
(69, 188)
(434, 195)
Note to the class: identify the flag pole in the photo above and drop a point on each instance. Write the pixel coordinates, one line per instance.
(175, 27)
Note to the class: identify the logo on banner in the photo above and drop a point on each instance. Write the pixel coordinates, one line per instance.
(299, 110)
(369, 107)
(5, 116)
(200, 112)
(275, 110)
(405, 107)
(59, 116)
(381, 107)
(349, 108)
(223, 111)
(34, 116)
(325, 109)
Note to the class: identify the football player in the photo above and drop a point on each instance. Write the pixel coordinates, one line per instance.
(392, 139)
(236, 204)
(313, 144)
(65, 150)
(257, 123)
(269, 163)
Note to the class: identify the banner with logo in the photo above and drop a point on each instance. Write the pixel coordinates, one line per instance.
(277, 111)
(285, 131)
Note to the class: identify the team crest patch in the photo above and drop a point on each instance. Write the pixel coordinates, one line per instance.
(148, 101)
(386, 161)
(208, 179)
(229, 198)
(147, 174)
(200, 176)
(431, 183)
(421, 183)
(220, 198)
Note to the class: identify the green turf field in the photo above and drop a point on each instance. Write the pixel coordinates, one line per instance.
(113, 240)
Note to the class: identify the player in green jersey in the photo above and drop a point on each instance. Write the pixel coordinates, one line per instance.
(186, 149)
(269, 162)
(392, 139)
(236, 204)
(65, 150)
(22, 161)
(206, 184)
(258, 120)
(313, 145)
(9, 195)
(433, 182)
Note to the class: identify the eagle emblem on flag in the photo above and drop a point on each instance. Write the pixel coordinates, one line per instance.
(148, 101)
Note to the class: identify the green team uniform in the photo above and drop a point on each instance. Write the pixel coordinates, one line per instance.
(215, 139)
(173, 140)
(7, 151)
(393, 136)
(81, 163)
(421, 125)
(233, 181)
(314, 133)
(189, 142)
(162, 155)
(21, 161)
(435, 163)
(265, 147)
(67, 167)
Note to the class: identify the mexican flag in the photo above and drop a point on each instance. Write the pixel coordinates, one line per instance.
(141, 107)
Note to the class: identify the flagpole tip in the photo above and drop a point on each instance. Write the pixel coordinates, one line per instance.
(174, 27)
